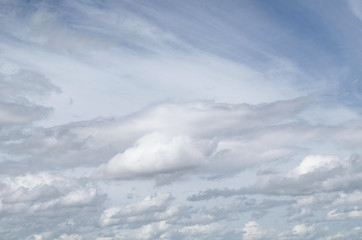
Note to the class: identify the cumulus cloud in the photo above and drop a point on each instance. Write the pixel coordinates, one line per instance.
(153, 208)
(143, 219)
(153, 154)
(344, 214)
(69, 237)
(42, 195)
(315, 163)
(43, 192)
(234, 210)
(253, 231)
(303, 230)
(353, 234)
(201, 231)
(234, 135)
(314, 174)
(154, 230)
(334, 206)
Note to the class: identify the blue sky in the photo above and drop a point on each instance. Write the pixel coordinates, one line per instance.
(180, 119)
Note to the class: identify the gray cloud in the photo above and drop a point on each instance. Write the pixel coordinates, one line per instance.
(37, 203)
(314, 174)
(187, 127)
(17, 91)
(154, 208)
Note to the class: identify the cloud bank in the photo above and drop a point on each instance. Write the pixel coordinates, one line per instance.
(180, 120)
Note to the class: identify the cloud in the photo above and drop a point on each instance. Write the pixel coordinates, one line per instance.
(253, 231)
(356, 8)
(315, 163)
(201, 231)
(145, 218)
(314, 174)
(20, 84)
(18, 90)
(42, 192)
(69, 237)
(38, 202)
(120, 48)
(19, 114)
(331, 206)
(155, 230)
(347, 135)
(343, 214)
(303, 230)
(153, 208)
(189, 100)
(353, 234)
(153, 154)
(234, 210)
(181, 133)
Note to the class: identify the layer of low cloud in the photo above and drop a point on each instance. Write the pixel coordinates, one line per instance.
(170, 137)
(314, 174)
(37, 202)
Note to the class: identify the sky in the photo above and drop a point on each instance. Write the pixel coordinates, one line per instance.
(180, 120)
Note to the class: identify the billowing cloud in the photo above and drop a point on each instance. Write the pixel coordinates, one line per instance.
(155, 154)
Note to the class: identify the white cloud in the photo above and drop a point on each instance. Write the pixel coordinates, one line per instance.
(154, 230)
(353, 234)
(200, 230)
(33, 194)
(315, 174)
(171, 137)
(69, 237)
(253, 231)
(344, 214)
(315, 163)
(153, 154)
(347, 199)
(153, 208)
(335, 206)
(303, 230)
(36, 198)
(116, 50)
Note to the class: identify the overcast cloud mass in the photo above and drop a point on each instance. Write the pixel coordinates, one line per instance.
(237, 120)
